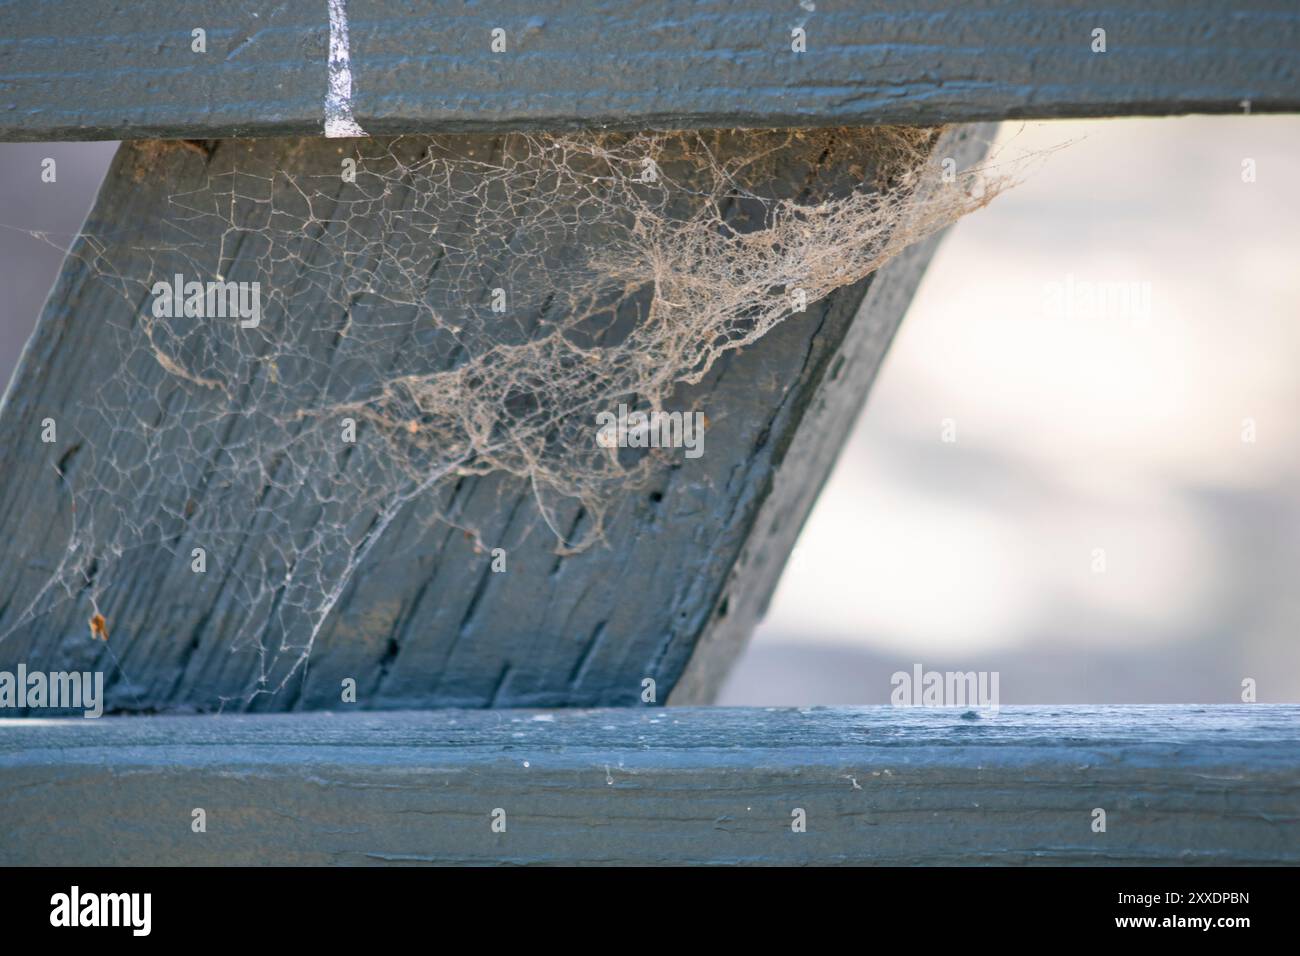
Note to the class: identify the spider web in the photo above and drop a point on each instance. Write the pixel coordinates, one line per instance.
(469, 311)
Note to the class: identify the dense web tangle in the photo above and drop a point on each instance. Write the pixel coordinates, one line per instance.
(464, 311)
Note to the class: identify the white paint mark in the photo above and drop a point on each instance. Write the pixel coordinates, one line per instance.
(338, 102)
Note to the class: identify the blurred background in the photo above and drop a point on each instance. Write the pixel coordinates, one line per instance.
(1097, 496)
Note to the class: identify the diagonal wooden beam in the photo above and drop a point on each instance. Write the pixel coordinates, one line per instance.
(688, 568)
(74, 69)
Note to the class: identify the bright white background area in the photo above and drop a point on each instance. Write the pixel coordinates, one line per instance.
(1097, 430)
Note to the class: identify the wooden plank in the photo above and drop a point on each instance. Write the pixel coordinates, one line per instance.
(690, 561)
(70, 69)
(879, 785)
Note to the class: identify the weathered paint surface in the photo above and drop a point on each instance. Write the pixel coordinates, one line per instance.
(688, 569)
(1179, 785)
(71, 69)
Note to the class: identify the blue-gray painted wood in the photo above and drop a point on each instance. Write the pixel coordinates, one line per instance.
(879, 785)
(72, 69)
(689, 565)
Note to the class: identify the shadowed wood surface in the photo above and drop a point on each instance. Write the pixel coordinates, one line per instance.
(878, 785)
(690, 562)
(71, 69)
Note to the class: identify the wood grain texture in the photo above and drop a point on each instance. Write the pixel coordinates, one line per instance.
(688, 570)
(880, 785)
(71, 69)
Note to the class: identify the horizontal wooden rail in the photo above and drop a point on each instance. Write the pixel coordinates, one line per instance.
(74, 69)
(1190, 784)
